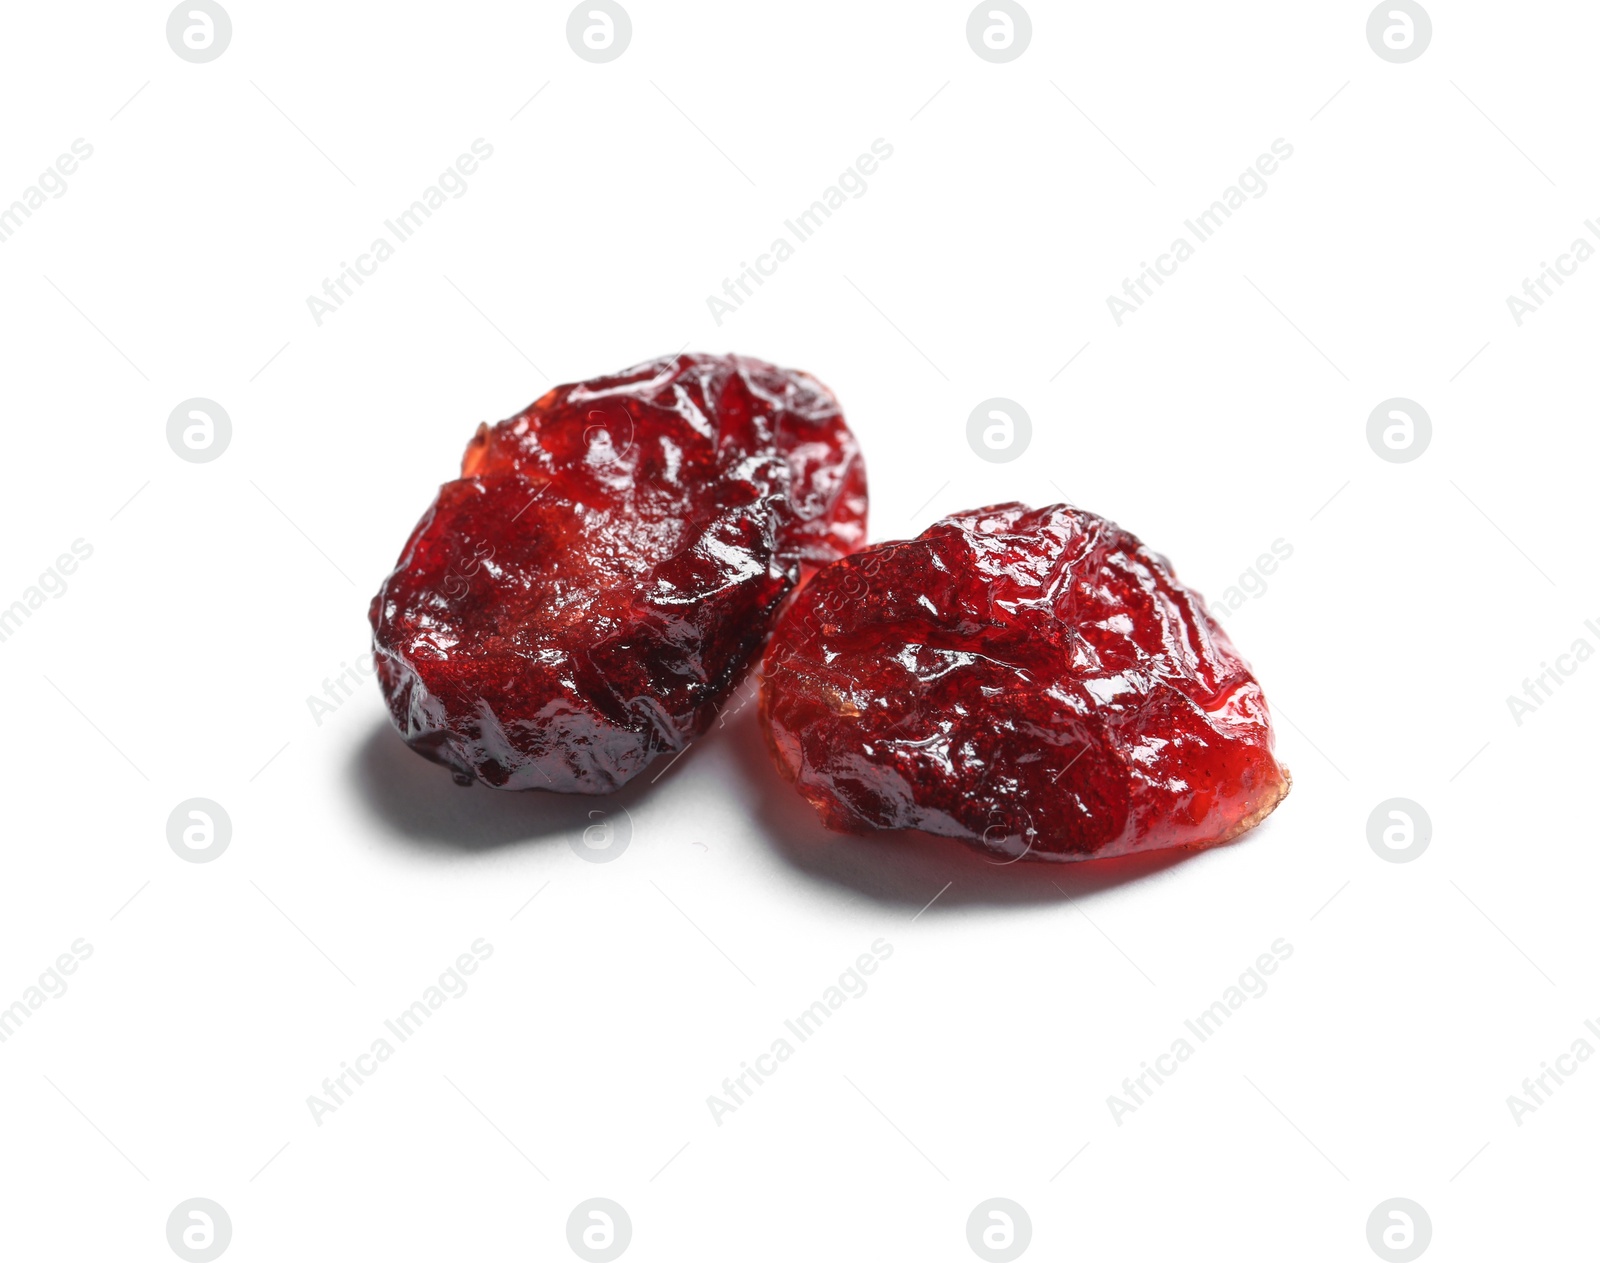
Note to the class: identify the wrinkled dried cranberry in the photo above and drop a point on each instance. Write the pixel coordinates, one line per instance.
(1033, 681)
(611, 561)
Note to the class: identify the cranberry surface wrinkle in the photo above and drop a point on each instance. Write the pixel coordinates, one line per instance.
(1035, 682)
(607, 567)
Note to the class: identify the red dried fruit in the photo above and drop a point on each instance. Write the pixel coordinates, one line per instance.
(609, 565)
(1033, 681)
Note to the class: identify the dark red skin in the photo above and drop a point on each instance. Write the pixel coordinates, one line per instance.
(611, 562)
(1035, 682)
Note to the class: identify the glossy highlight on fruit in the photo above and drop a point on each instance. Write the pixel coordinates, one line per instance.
(607, 567)
(1035, 682)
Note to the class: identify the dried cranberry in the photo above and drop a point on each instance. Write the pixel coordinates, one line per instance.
(609, 565)
(1033, 681)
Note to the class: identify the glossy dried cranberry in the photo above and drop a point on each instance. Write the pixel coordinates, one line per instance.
(608, 566)
(1033, 681)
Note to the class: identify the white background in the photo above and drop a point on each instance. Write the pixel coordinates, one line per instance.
(1230, 412)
